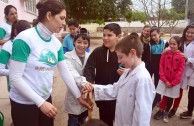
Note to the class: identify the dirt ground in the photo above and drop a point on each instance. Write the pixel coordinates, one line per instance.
(58, 96)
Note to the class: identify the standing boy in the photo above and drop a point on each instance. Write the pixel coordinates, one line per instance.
(134, 91)
(68, 40)
(73, 26)
(102, 66)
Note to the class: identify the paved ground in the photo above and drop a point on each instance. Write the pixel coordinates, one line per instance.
(59, 89)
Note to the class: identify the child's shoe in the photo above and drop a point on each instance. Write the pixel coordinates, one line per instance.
(165, 117)
(186, 115)
(172, 112)
(159, 114)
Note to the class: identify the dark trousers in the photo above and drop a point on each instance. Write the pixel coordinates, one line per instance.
(77, 120)
(191, 100)
(107, 111)
(157, 98)
(29, 115)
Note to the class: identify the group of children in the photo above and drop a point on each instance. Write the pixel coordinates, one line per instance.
(173, 69)
(114, 72)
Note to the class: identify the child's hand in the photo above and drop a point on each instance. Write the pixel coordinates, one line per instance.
(165, 50)
(87, 90)
(120, 71)
(168, 85)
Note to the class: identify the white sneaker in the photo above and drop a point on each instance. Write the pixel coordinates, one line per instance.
(165, 117)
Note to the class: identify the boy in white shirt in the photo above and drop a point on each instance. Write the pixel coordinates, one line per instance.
(134, 91)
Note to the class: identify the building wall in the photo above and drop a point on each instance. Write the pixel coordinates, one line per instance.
(22, 13)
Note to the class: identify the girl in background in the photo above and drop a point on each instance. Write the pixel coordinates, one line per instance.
(5, 29)
(5, 54)
(171, 69)
(188, 75)
(145, 39)
(157, 47)
(76, 61)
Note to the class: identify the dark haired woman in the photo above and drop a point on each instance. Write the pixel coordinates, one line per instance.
(35, 55)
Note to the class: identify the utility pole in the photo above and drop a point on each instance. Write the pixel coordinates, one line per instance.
(186, 9)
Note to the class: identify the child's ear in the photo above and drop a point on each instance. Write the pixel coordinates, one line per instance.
(133, 52)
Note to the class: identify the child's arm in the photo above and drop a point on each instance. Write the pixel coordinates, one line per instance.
(178, 76)
(5, 56)
(106, 92)
(161, 69)
(144, 96)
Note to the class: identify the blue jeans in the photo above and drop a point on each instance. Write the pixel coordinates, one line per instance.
(77, 120)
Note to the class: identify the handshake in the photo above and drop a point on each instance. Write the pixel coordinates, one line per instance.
(86, 98)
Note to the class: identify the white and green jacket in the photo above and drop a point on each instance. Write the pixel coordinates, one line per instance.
(5, 31)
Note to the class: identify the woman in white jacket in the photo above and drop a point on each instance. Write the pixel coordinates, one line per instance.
(76, 61)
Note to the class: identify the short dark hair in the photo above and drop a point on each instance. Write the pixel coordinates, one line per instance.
(19, 25)
(134, 34)
(82, 32)
(54, 6)
(130, 42)
(73, 23)
(115, 28)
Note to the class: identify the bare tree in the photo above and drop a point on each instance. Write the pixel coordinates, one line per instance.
(154, 10)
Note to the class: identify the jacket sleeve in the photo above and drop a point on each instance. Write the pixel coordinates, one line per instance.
(68, 78)
(144, 96)
(80, 80)
(106, 92)
(161, 69)
(178, 76)
(89, 70)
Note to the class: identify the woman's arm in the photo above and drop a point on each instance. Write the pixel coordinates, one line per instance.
(16, 72)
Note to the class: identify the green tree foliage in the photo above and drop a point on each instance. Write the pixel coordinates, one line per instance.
(179, 6)
(96, 10)
(136, 16)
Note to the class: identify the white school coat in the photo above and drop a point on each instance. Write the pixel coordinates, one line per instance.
(134, 93)
(75, 66)
(188, 74)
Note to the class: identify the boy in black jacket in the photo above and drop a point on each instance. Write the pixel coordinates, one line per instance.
(101, 68)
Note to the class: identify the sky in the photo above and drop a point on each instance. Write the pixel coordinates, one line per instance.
(137, 5)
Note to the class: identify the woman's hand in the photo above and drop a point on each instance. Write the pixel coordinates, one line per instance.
(48, 109)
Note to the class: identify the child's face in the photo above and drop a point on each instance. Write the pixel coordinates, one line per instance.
(173, 45)
(126, 61)
(72, 29)
(190, 34)
(146, 32)
(109, 38)
(155, 36)
(81, 45)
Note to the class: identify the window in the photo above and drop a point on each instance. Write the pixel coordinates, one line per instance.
(31, 6)
(6, 1)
